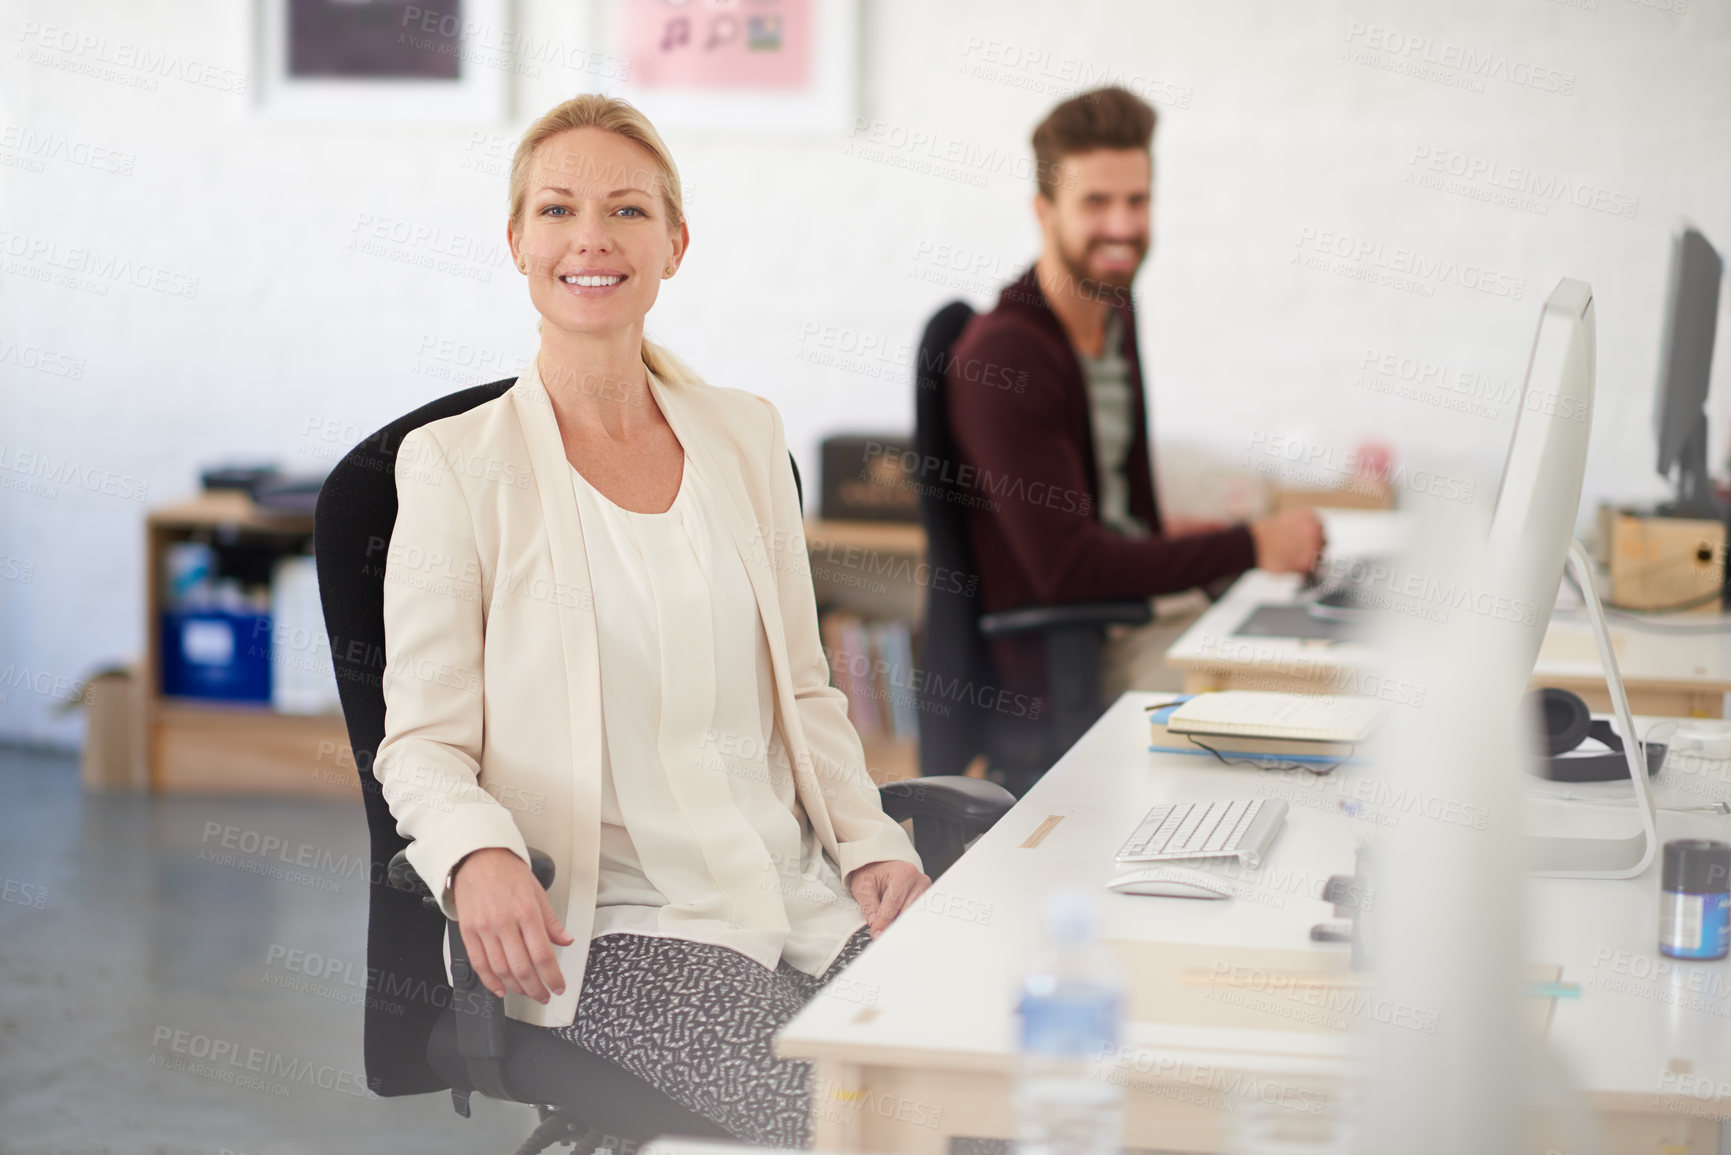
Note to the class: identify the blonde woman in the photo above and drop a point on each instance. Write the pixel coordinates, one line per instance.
(602, 641)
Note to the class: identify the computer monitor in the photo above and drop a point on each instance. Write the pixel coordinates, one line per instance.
(1685, 357)
(1532, 541)
(1539, 496)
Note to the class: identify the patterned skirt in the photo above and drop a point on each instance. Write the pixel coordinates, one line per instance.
(695, 1021)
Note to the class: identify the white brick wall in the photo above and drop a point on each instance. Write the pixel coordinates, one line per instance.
(1276, 127)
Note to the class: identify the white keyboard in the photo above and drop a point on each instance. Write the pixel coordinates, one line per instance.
(1172, 830)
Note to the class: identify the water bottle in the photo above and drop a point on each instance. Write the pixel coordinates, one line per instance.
(1069, 1009)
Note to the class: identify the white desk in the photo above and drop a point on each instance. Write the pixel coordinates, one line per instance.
(916, 1042)
(1671, 674)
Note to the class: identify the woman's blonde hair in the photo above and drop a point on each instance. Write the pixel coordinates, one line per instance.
(609, 114)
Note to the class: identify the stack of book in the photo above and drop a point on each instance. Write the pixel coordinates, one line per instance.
(1269, 727)
(872, 662)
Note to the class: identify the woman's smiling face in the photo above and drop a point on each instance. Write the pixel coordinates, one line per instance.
(595, 239)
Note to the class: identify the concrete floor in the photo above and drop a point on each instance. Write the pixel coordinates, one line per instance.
(115, 935)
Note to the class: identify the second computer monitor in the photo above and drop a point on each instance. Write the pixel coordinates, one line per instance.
(1685, 360)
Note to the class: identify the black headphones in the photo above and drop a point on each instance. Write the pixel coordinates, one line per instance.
(1564, 723)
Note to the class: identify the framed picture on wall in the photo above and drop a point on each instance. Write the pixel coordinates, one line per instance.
(431, 61)
(750, 65)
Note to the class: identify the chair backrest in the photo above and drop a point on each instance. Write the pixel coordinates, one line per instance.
(953, 656)
(357, 510)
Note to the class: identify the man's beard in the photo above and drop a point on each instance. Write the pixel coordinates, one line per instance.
(1076, 265)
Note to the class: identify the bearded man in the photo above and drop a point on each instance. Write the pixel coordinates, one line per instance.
(1046, 410)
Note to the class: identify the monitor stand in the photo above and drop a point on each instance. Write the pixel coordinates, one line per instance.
(1608, 857)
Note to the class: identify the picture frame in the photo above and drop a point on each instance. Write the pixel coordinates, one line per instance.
(437, 61)
(826, 104)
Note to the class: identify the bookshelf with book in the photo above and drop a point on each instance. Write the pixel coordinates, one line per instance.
(865, 575)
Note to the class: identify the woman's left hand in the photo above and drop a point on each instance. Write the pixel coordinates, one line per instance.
(884, 889)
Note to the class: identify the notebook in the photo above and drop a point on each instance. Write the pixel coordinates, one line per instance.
(1324, 727)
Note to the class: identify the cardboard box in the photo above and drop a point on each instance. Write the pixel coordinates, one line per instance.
(1656, 562)
(113, 756)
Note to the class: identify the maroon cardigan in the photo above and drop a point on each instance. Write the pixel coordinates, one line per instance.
(1019, 417)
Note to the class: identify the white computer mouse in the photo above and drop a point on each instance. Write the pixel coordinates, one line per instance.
(1168, 883)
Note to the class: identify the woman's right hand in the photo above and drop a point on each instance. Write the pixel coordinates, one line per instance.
(508, 925)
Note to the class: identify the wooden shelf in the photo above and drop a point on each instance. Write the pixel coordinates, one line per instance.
(897, 537)
(212, 746)
(226, 509)
(240, 748)
(192, 744)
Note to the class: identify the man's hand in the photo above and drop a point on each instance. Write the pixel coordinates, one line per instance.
(884, 889)
(508, 926)
(1288, 542)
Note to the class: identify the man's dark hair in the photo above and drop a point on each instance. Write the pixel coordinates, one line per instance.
(1104, 118)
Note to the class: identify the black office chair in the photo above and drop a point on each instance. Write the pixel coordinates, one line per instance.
(954, 727)
(421, 1035)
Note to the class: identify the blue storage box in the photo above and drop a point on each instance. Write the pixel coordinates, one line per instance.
(216, 653)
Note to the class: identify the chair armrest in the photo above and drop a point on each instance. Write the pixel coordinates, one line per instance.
(1041, 618)
(401, 876)
(972, 804)
(479, 1013)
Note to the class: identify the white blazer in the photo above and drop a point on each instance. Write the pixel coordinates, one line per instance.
(492, 681)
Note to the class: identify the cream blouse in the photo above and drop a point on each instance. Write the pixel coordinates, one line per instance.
(702, 835)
